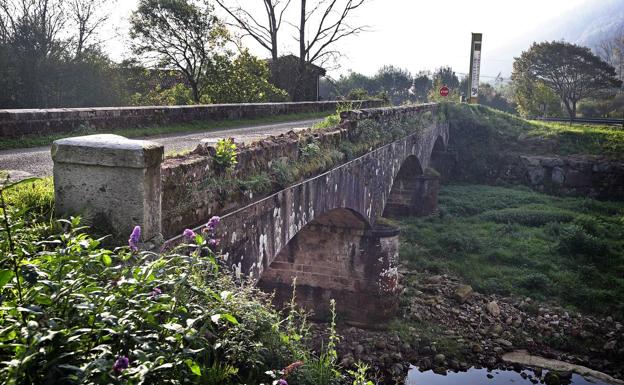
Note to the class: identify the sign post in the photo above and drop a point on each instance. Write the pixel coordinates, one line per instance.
(475, 68)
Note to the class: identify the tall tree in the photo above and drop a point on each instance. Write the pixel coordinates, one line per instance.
(266, 34)
(396, 82)
(421, 87)
(88, 16)
(571, 71)
(179, 34)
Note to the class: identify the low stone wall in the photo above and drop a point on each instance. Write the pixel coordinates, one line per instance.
(581, 175)
(18, 123)
(191, 184)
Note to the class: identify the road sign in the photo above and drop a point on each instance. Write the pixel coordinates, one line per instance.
(444, 91)
(475, 67)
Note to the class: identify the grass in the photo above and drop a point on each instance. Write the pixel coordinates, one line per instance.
(512, 241)
(501, 130)
(138, 132)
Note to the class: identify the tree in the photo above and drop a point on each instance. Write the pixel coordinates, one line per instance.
(421, 86)
(396, 82)
(88, 16)
(611, 50)
(445, 76)
(264, 34)
(182, 35)
(571, 71)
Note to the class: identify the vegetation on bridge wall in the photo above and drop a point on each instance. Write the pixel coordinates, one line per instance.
(194, 188)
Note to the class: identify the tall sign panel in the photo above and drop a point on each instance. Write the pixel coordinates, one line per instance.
(475, 67)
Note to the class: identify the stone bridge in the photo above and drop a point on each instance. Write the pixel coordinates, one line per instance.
(325, 231)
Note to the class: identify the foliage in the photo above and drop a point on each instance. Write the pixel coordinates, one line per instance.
(535, 99)
(225, 157)
(492, 97)
(570, 71)
(74, 312)
(242, 80)
(444, 76)
(514, 241)
(178, 95)
(180, 34)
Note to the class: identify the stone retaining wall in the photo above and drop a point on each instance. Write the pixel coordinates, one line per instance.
(18, 123)
(580, 175)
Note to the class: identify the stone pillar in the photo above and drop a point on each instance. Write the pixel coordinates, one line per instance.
(112, 182)
(426, 198)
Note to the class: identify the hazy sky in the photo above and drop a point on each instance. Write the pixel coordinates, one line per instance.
(413, 34)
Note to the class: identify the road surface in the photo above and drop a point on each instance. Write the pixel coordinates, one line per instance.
(37, 161)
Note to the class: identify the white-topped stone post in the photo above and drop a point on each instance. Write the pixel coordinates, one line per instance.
(112, 181)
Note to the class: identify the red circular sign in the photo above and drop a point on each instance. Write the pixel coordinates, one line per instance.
(444, 91)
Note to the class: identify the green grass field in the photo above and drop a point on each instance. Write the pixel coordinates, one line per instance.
(512, 241)
(511, 132)
(44, 140)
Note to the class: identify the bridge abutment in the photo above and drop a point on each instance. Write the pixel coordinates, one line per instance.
(355, 266)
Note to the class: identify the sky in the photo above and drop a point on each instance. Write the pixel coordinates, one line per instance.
(412, 34)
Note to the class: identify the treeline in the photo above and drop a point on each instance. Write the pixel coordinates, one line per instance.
(399, 86)
(51, 56)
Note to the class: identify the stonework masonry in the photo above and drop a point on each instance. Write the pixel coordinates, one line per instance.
(323, 230)
(18, 123)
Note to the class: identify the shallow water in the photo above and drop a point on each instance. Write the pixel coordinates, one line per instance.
(479, 377)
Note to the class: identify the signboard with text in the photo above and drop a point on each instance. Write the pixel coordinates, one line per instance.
(444, 91)
(475, 67)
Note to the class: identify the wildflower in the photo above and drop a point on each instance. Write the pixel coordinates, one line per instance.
(188, 233)
(281, 381)
(133, 242)
(212, 224)
(292, 367)
(213, 242)
(155, 293)
(121, 364)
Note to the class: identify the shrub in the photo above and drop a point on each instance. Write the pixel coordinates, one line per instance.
(225, 157)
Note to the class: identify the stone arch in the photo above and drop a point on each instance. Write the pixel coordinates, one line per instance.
(405, 193)
(338, 255)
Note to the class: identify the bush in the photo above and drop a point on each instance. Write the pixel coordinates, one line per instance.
(80, 313)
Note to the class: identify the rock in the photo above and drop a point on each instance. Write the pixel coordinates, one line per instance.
(425, 364)
(493, 309)
(497, 329)
(347, 361)
(610, 345)
(359, 349)
(552, 378)
(490, 376)
(381, 344)
(504, 342)
(439, 359)
(434, 279)
(476, 348)
(462, 293)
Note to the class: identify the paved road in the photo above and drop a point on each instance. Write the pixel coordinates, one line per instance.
(37, 161)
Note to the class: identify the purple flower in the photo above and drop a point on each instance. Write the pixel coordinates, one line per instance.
(213, 242)
(155, 293)
(133, 242)
(282, 381)
(188, 233)
(121, 364)
(213, 223)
